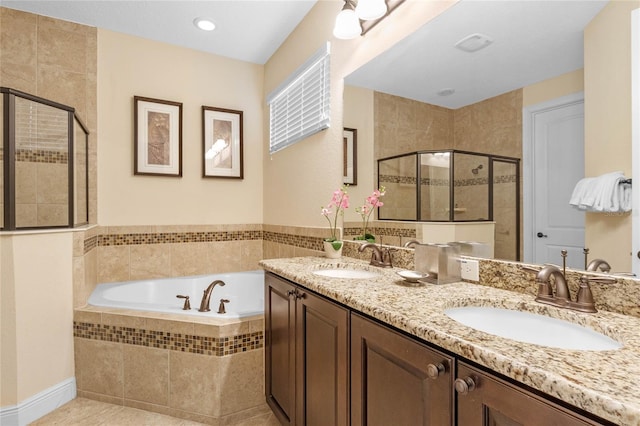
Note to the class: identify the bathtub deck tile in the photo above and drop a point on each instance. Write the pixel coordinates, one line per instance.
(117, 320)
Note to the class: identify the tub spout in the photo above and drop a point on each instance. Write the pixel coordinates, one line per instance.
(206, 297)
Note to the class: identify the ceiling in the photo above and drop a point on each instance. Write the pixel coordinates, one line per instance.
(246, 30)
(532, 41)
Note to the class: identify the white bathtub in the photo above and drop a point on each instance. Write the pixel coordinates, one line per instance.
(244, 290)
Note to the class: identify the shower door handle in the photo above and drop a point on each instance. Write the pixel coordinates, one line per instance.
(541, 235)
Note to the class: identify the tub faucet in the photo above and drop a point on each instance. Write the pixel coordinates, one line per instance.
(206, 297)
(379, 256)
(596, 264)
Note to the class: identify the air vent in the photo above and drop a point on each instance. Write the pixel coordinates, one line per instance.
(474, 42)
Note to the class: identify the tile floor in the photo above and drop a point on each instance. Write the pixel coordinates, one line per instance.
(87, 412)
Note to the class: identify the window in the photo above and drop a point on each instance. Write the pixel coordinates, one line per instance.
(299, 107)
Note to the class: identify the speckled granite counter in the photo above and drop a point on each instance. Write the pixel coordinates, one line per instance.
(605, 383)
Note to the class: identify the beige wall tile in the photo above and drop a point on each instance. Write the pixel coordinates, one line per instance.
(194, 383)
(52, 183)
(242, 378)
(146, 374)
(79, 298)
(150, 261)
(26, 184)
(113, 264)
(121, 320)
(190, 259)
(80, 315)
(224, 256)
(53, 215)
(26, 215)
(99, 367)
(62, 49)
(61, 86)
(18, 50)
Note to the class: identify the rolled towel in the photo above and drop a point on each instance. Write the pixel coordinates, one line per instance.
(604, 193)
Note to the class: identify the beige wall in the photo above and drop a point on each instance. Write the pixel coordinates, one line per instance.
(607, 84)
(131, 66)
(562, 85)
(37, 313)
(306, 174)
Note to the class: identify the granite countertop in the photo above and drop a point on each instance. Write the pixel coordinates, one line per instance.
(605, 383)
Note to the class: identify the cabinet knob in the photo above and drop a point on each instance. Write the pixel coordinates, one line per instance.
(464, 386)
(435, 370)
(300, 295)
(291, 293)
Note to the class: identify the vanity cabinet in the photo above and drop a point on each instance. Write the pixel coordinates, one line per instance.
(486, 400)
(306, 356)
(397, 381)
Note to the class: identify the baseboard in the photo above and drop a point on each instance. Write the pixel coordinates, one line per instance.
(38, 405)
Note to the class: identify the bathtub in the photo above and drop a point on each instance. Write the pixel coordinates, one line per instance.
(244, 290)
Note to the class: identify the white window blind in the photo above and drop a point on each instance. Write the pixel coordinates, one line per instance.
(299, 107)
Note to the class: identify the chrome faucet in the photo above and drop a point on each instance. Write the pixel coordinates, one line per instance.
(380, 256)
(206, 297)
(596, 264)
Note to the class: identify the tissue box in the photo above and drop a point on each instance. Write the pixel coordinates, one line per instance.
(440, 261)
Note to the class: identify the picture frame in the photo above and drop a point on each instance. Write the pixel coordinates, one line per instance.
(222, 143)
(157, 137)
(350, 157)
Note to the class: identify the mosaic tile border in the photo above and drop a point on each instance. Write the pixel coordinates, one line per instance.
(90, 243)
(411, 180)
(212, 346)
(176, 237)
(391, 232)
(42, 156)
(303, 241)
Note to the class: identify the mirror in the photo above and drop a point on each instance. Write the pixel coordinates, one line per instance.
(526, 43)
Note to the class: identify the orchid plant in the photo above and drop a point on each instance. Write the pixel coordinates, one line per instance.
(371, 203)
(336, 207)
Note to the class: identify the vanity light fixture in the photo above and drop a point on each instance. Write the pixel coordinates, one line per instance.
(347, 22)
(371, 9)
(359, 16)
(204, 24)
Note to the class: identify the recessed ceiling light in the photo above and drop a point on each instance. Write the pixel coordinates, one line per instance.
(204, 24)
(446, 92)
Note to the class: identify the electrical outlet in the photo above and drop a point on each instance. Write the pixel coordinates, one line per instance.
(470, 270)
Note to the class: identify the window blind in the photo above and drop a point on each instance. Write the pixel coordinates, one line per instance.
(299, 107)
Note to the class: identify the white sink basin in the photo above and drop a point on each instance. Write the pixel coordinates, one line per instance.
(532, 328)
(345, 273)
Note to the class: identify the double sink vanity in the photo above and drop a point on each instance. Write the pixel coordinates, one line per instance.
(349, 343)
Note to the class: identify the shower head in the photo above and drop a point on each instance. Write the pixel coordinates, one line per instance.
(475, 171)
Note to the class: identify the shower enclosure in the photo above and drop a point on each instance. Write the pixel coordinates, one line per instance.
(455, 186)
(44, 173)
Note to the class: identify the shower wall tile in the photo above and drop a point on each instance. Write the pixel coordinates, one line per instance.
(26, 182)
(52, 183)
(18, 50)
(26, 215)
(65, 87)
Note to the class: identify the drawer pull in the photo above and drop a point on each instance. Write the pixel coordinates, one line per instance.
(464, 386)
(435, 370)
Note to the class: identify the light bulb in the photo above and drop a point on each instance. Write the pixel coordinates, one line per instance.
(368, 10)
(347, 23)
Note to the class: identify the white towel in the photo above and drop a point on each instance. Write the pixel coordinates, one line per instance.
(604, 193)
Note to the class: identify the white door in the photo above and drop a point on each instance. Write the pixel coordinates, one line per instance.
(635, 139)
(555, 144)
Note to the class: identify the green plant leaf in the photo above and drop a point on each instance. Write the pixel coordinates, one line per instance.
(336, 245)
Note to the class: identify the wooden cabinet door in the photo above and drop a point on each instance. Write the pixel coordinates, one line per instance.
(486, 400)
(279, 325)
(397, 381)
(322, 361)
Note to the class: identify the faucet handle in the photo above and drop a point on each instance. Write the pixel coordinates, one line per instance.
(187, 304)
(531, 269)
(600, 280)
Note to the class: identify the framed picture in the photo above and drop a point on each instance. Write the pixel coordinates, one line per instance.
(157, 137)
(350, 158)
(221, 143)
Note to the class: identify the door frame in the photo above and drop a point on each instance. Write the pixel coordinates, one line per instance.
(635, 141)
(529, 114)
